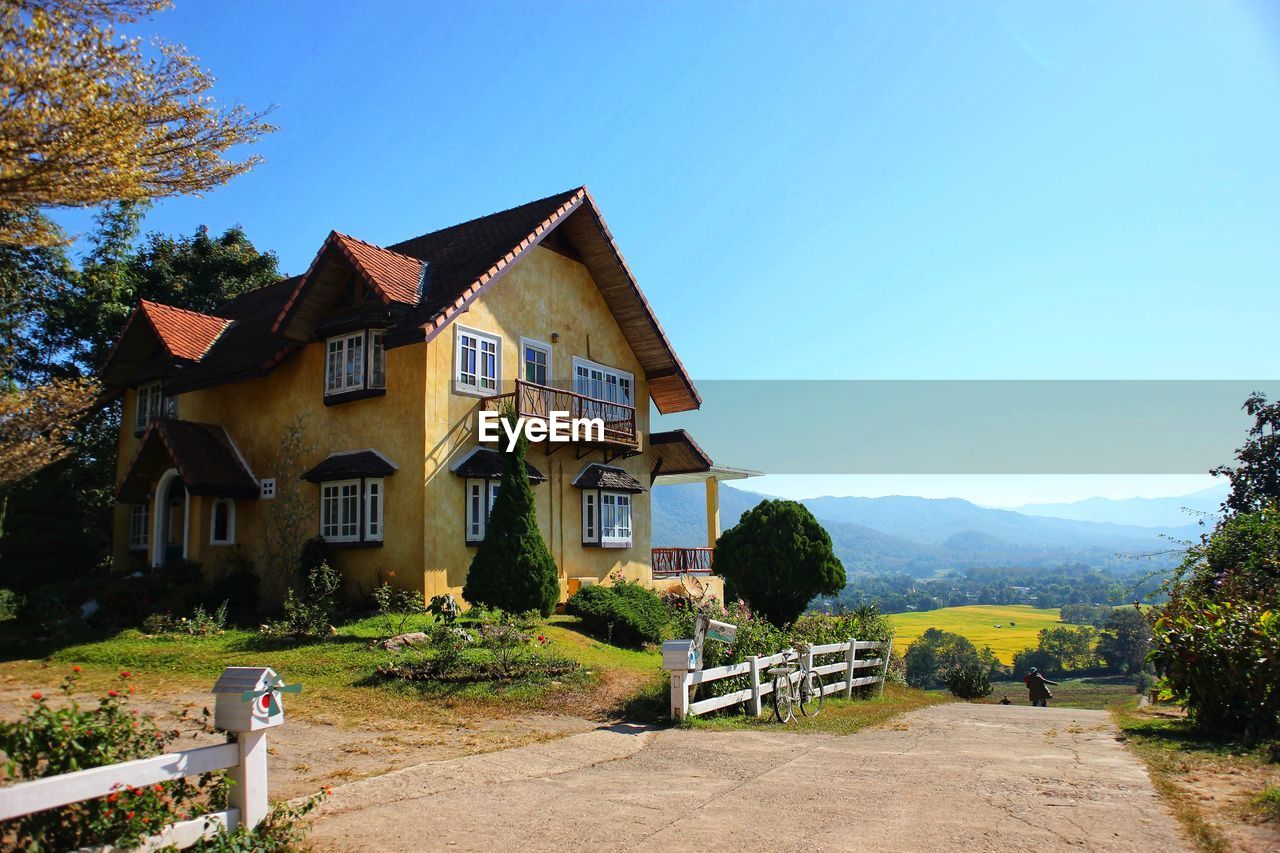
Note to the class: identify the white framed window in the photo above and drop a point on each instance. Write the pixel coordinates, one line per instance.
(267, 489)
(606, 384)
(150, 405)
(477, 362)
(373, 492)
(377, 360)
(535, 361)
(222, 522)
(615, 519)
(340, 511)
(354, 362)
(481, 495)
(139, 524)
(590, 519)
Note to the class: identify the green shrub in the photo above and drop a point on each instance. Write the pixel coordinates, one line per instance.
(968, 681)
(937, 653)
(280, 831)
(396, 607)
(200, 624)
(49, 741)
(308, 610)
(625, 613)
(9, 603)
(512, 569)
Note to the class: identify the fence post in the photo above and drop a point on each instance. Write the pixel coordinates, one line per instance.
(808, 659)
(249, 778)
(679, 694)
(848, 659)
(755, 685)
(886, 649)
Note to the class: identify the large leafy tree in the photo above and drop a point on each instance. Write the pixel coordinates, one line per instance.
(58, 522)
(1255, 479)
(777, 558)
(88, 116)
(1125, 641)
(513, 570)
(937, 653)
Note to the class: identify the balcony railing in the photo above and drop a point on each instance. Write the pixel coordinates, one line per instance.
(676, 561)
(539, 401)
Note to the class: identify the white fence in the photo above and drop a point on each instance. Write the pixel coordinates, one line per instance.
(848, 666)
(245, 759)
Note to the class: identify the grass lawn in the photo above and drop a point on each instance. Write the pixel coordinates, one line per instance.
(1223, 792)
(839, 716)
(337, 673)
(977, 623)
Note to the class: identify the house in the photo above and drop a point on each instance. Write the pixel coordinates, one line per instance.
(383, 357)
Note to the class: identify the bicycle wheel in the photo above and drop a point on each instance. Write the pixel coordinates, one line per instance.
(782, 699)
(811, 694)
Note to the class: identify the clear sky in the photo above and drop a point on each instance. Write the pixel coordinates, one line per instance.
(823, 190)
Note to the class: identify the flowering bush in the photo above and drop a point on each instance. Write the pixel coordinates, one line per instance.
(49, 741)
(201, 623)
(282, 829)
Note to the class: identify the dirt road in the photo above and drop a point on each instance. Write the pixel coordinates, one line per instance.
(956, 776)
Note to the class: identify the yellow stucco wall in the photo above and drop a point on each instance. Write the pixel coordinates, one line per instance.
(425, 426)
(546, 293)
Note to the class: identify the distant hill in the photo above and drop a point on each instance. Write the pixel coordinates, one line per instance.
(924, 536)
(1145, 512)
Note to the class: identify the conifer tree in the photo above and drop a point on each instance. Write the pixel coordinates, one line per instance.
(513, 570)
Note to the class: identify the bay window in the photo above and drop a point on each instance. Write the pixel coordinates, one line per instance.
(353, 510)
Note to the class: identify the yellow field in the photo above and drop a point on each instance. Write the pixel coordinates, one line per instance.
(977, 623)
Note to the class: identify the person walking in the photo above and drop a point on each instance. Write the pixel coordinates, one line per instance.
(1038, 686)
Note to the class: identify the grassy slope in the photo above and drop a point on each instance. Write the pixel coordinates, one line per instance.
(338, 673)
(977, 623)
(1218, 789)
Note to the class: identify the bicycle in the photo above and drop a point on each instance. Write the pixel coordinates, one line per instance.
(789, 691)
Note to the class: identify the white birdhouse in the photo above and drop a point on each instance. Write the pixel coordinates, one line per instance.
(247, 698)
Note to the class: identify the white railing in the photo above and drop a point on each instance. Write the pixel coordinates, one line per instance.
(684, 682)
(245, 758)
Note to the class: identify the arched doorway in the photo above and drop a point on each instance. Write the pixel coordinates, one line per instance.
(172, 503)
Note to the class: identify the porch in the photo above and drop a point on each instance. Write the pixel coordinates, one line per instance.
(678, 459)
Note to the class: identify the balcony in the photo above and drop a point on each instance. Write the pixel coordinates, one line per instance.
(670, 562)
(539, 401)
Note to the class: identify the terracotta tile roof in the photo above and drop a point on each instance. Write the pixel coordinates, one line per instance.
(484, 463)
(185, 334)
(395, 276)
(347, 466)
(204, 455)
(425, 282)
(607, 477)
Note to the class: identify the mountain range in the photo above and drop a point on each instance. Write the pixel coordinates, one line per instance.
(923, 536)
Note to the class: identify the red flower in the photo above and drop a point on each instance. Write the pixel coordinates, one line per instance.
(36, 696)
(328, 790)
(112, 797)
(112, 693)
(128, 815)
(75, 669)
(125, 673)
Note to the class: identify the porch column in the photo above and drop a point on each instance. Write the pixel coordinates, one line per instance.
(713, 511)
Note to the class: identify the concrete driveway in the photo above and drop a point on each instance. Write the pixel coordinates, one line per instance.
(956, 776)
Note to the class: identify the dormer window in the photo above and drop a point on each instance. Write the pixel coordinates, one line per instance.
(356, 361)
(151, 405)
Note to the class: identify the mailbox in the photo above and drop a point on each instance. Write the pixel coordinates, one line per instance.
(247, 699)
(722, 631)
(679, 655)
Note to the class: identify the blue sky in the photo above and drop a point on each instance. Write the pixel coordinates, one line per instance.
(818, 190)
